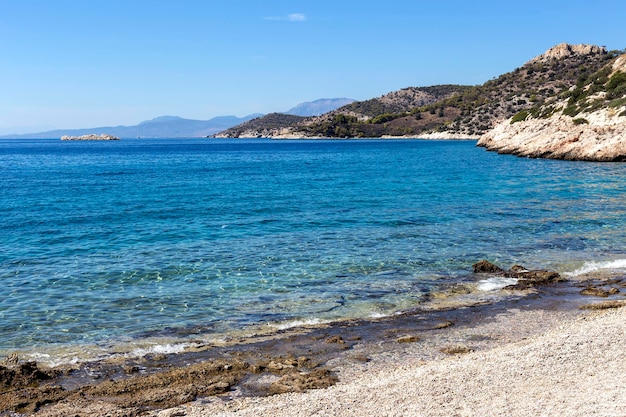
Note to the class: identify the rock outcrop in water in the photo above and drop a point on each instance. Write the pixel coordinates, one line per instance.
(525, 278)
(90, 137)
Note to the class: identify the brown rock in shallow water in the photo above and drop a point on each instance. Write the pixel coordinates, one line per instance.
(486, 266)
(599, 292)
(526, 278)
(518, 268)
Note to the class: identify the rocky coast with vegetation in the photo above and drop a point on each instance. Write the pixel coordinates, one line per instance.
(585, 122)
(567, 103)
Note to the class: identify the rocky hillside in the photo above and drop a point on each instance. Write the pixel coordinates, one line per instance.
(587, 121)
(452, 110)
(270, 125)
(370, 118)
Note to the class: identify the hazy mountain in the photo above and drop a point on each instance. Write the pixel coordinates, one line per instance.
(318, 107)
(160, 127)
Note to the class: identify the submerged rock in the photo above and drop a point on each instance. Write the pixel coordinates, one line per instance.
(486, 267)
(599, 292)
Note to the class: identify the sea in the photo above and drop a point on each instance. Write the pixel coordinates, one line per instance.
(144, 245)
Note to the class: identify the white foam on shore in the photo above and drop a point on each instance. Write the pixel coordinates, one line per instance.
(161, 349)
(48, 360)
(62, 357)
(588, 267)
(495, 283)
(297, 323)
(78, 354)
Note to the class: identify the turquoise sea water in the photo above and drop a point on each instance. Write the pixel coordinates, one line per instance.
(105, 242)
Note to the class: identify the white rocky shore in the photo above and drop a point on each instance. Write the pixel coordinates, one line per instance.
(92, 136)
(447, 136)
(603, 138)
(598, 135)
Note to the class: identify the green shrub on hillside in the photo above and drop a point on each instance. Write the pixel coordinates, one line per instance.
(386, 117)
(571, 111)
(616, 87)
(581, 121)
(616, 80)
(520, 116)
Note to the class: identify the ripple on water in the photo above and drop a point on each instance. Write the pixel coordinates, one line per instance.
(173, 239)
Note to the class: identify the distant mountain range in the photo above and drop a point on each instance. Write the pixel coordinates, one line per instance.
(319, 107)
(160, 127)
(177, 127)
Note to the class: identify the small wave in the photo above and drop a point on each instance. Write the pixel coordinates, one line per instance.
(161, 349)
(78, 354)
(495, 283)
(597, 266)
(378, 315)
(60, 358)
(297, 323)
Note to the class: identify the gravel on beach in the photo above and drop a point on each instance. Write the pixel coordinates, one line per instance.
(576, 368)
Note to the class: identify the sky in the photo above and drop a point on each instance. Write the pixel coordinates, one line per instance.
(77, 64)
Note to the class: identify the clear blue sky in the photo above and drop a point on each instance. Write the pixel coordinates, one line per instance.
(87, 63)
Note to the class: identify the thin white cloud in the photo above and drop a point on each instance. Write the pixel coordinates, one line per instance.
(296, 17)
(293, 17)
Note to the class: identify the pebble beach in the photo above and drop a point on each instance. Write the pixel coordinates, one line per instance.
(575, 368)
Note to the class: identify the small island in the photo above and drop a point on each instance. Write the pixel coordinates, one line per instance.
(90, 137)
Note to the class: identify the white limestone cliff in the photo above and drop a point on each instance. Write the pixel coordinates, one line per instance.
(591, 135)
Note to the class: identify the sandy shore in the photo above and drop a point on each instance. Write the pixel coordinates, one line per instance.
(576, 368)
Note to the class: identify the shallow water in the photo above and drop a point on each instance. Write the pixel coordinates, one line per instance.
(103, 243)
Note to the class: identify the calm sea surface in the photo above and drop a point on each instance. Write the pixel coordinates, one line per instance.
(110, 242)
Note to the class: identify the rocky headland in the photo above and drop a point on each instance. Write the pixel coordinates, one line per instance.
(103, 136)
(587, 122)
(446, 111)
(561, 137)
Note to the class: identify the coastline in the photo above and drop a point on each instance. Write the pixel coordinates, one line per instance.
(342, 360)
(572, 367)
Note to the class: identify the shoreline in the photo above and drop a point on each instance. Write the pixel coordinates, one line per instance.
(480, 289)
(323, 356)
(572, 366)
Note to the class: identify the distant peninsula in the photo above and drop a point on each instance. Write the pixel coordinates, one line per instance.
(102, 136)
